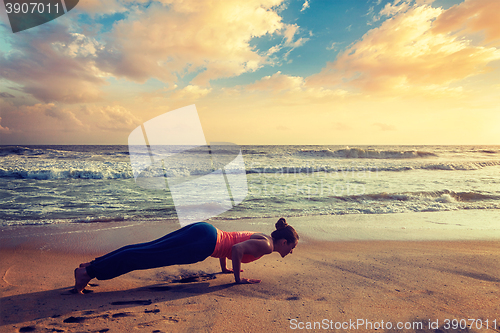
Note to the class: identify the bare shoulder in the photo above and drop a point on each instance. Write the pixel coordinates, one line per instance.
(259, 235)
(257, 245)
(263, 238)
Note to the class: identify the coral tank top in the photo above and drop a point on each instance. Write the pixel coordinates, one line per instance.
(225, 242)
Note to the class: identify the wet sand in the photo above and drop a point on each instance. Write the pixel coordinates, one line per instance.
(329, 285)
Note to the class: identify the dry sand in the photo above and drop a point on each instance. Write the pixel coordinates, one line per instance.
(353, 284)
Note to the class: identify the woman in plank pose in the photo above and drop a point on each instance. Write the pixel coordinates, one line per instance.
(190, 244)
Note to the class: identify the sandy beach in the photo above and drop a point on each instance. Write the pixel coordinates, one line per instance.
(325, 285)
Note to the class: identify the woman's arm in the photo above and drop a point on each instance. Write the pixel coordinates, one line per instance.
(254, 247)
(223, 266)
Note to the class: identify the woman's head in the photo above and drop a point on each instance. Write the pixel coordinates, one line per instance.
(285, 238)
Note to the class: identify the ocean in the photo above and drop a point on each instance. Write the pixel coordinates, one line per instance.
(85, 184)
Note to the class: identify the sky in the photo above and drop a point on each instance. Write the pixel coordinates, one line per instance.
(331, 72)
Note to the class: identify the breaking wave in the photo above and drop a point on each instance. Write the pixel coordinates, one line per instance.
(365, 153)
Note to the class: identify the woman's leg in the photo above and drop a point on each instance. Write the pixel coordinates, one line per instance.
(187, 245)
(171, 236)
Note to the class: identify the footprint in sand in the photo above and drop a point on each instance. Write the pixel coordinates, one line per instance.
(74, 319)
(122, 314)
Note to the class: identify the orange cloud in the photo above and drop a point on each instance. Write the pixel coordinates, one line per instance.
(109, 118)
(53, 65)
(40, 117)
(472, 16)
(211, 38)
(4, 130)
(406, 55)
(167, 40)
(51, 118)
(48, 123)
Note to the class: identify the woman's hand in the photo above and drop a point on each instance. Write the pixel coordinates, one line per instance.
(248, 281)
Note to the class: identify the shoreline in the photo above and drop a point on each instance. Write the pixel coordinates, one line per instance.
(99, 237)
(339, 280)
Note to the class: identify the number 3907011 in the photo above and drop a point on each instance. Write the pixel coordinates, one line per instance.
(31, 8)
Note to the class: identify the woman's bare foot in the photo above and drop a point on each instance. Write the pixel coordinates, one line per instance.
(81, 279)
(85, 264)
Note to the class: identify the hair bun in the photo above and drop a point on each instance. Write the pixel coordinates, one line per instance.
(281, 224)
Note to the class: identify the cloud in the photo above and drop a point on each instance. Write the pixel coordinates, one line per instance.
(277, 82)
(166, 40)
(289, 89)
(78, 46)
(472, 16)
(4, 130)
(109, 118)
(6, 95)
(289, 33)
(405, 54)
(305, 5)
(394, 8)
(101, 7)
(40, 118)
(50, 123)
(391, 9)
(68, 118)
(47, 123)
(53, 65)
(210, 39)
(190, 92)
(333, 46)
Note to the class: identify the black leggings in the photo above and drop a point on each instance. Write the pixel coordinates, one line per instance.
(190, 244)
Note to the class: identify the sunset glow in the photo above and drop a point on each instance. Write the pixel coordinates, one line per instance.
(259, 71)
